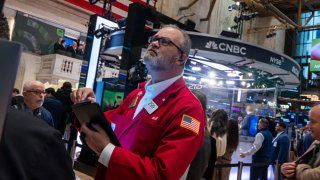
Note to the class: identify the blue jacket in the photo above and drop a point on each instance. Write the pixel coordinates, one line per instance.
(40, 112)
(280, 147)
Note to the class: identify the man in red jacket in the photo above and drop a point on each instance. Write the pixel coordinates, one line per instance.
(160, 125)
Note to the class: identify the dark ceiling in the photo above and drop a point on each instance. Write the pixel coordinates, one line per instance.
(287, 7)
(290, 7)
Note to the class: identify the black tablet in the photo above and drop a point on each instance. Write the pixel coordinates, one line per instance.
(89, 113)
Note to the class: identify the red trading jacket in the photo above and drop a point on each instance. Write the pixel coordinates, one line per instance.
(156, 145)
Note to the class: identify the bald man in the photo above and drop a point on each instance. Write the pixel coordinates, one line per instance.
(33, 93)
(308, 165)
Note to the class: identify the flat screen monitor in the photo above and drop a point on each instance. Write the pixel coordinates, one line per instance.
(69, 41)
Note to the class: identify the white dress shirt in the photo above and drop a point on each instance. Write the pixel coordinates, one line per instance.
(258, 140)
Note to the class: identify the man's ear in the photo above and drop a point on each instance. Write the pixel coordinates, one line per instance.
(182, 59)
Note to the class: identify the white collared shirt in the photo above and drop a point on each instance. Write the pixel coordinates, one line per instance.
(258, 140)
(152, 90)
(278, 134)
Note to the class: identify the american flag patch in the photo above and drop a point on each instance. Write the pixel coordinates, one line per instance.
(190, 123)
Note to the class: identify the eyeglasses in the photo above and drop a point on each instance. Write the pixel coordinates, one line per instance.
(36, 92)
(163, 41)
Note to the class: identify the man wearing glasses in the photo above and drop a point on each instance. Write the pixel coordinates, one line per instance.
(33, 94)
(160, 125)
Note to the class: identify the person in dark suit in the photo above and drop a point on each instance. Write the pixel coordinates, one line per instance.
(281, 145)
(59, 45)
(30, 149)
(55, 107)
(80, 50)
(72, 49)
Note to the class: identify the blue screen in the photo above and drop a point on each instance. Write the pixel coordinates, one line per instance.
(69, 41)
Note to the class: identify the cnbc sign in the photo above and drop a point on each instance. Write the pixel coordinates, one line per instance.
(314, 65)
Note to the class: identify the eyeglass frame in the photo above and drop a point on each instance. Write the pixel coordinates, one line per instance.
(36, 92)
(165, 43)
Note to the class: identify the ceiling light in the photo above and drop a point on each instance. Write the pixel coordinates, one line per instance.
(191, 78)
(196, 68)
(204, 80)
(230, 82)
(212, 74)
(212, 82)
(194, 63)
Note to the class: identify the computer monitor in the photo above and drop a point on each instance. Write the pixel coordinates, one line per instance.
(69, 40)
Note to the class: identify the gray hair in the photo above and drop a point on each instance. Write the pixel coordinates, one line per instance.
(30, 84)
(186, 42)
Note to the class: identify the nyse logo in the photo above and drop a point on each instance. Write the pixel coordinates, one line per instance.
(276, 61)
(226, 47)
(295, 71)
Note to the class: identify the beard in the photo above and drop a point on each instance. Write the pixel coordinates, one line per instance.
(158, 62)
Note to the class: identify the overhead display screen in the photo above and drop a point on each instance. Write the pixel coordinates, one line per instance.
(36, 36)
(315, 56)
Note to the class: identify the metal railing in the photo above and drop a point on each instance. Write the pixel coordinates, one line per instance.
(241, 164)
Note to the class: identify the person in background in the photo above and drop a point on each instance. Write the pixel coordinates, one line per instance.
(80, 50)
(15, 92)
(33, 96)
(200, 163)
(261, 151)
(72, 48)
(217, 127)
(159, 125)
(239, 119)
(307, 166)
(30, 149)
(232, 144)
(17, 100)
(281, 145)
(63, 95)
(55, 107)
(57, 45)
(248, 125)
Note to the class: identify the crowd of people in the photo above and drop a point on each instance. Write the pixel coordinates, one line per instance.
(162, 127)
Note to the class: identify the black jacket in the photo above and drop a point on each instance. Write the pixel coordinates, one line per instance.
(31, 149)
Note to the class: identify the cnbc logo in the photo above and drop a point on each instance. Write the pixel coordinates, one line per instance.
(226, 47)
